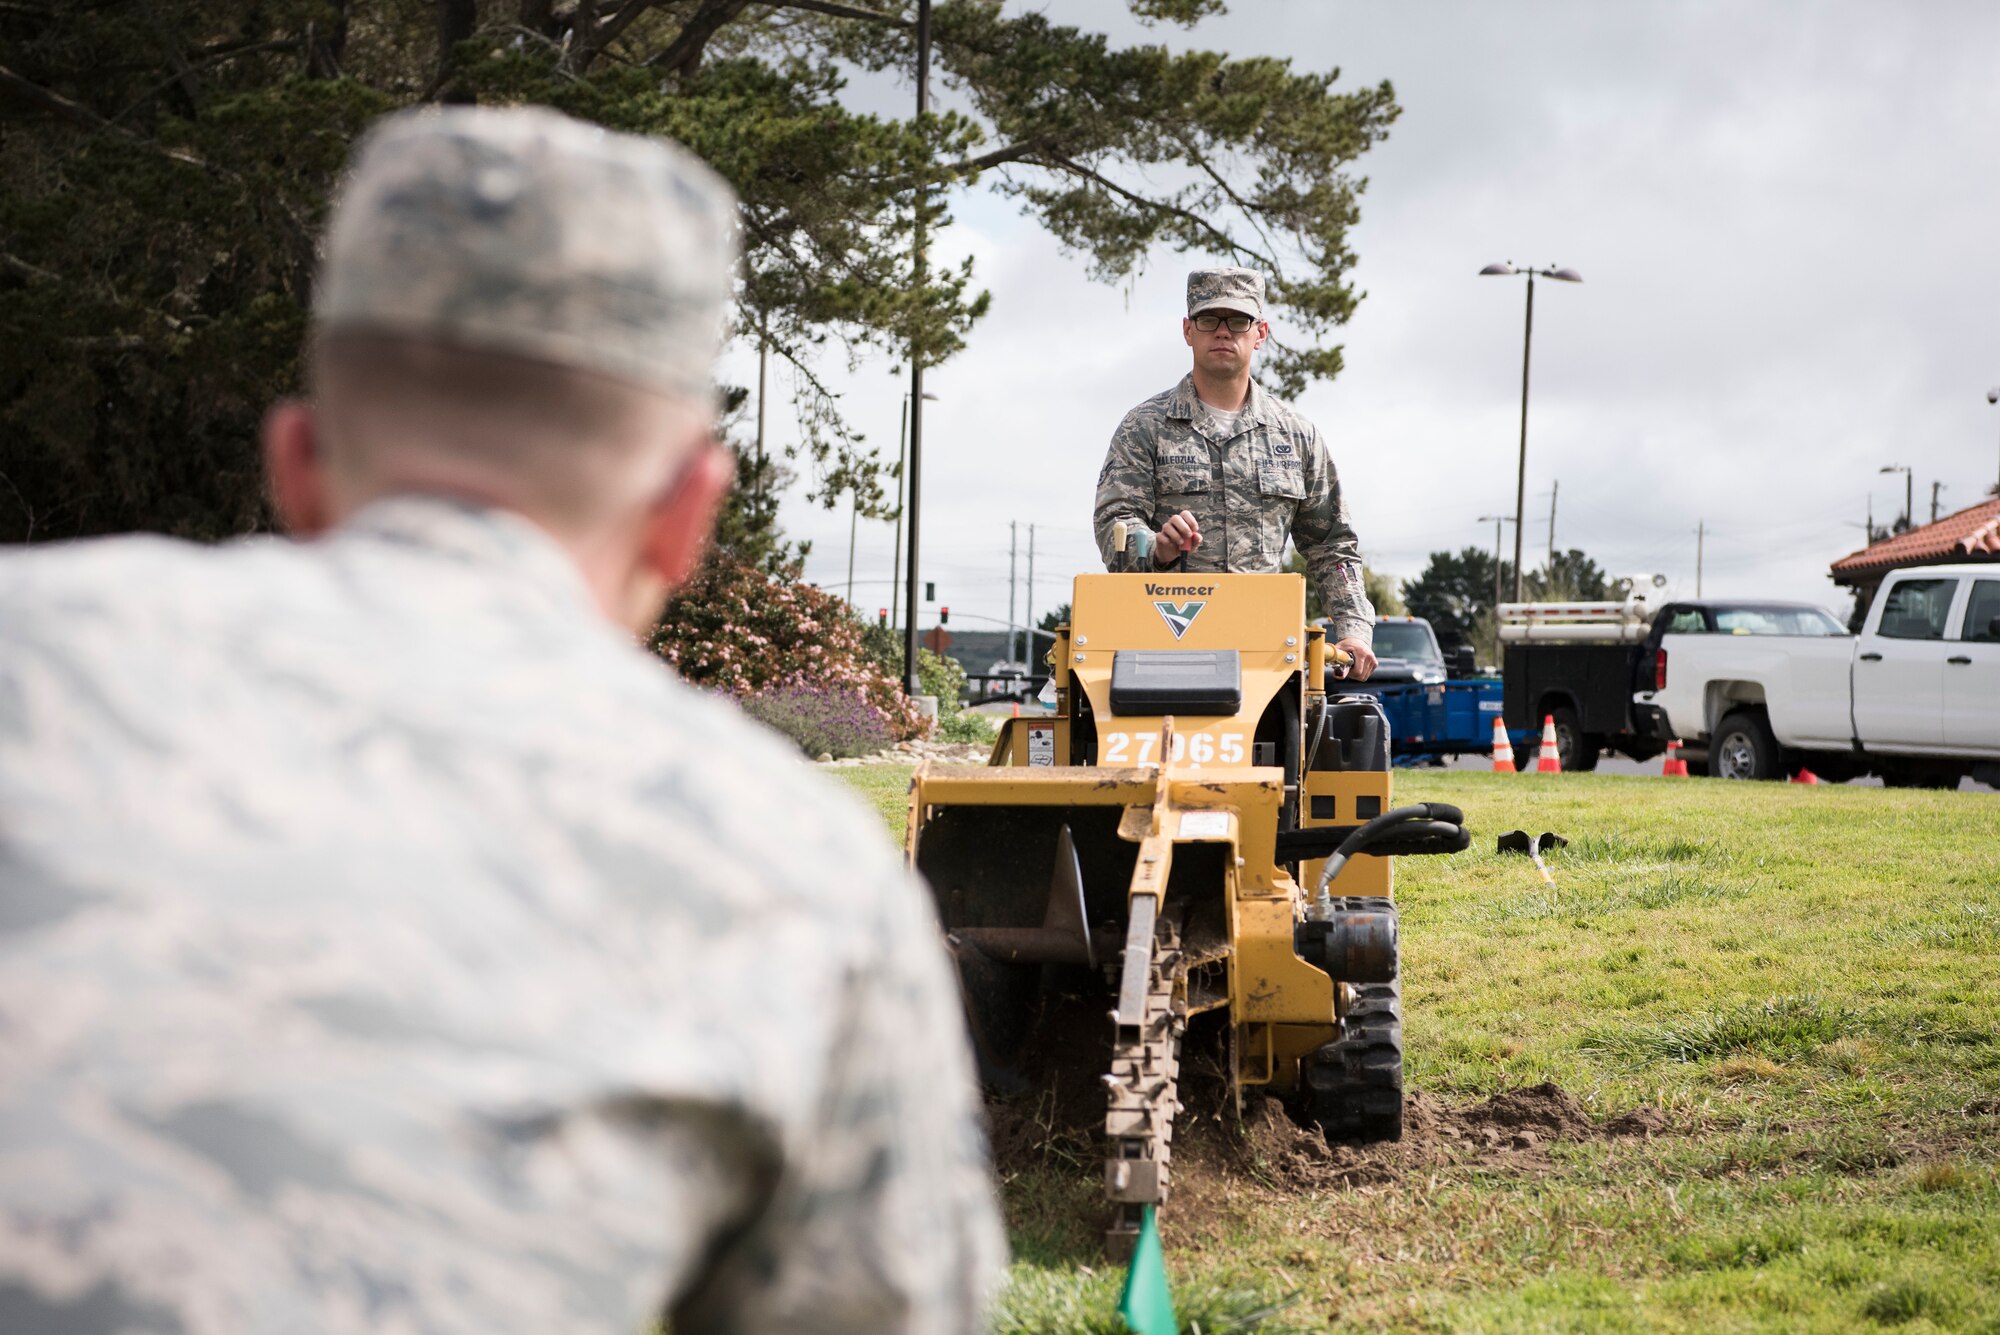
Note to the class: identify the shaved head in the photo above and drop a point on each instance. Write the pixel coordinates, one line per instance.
(572, 448)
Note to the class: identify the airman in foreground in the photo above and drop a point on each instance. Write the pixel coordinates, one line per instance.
(387, 943)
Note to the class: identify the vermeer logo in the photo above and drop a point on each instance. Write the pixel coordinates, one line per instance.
(1179, 618)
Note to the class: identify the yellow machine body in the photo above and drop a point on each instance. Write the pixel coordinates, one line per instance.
(1188, 794)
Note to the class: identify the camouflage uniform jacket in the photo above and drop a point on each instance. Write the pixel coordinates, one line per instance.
(387, 944)
(1272, 479)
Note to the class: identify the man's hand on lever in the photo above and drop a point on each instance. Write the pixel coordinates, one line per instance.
(1179, 535)
(1352, 660)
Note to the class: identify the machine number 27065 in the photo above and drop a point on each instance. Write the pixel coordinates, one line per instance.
(1201, 748)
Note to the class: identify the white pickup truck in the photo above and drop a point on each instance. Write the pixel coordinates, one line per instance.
(1915, 697)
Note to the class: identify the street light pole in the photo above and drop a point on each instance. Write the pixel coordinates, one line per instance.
(911, 686)
(1909, 494)
(896, 574)
(853, 522)
(1993, 396)
(1521, 472)
(1527, 347)
(1496, 521)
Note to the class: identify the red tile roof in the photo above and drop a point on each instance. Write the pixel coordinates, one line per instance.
(1971, 534)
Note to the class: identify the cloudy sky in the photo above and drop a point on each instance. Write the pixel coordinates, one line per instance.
(1787, 216)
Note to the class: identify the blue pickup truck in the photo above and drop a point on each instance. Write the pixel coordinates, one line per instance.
(1437, 707)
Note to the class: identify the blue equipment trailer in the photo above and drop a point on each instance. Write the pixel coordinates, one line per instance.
(1438, 720)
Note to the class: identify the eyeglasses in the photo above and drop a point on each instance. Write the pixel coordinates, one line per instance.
(1238, 324)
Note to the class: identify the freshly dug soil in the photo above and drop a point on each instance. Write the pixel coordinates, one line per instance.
(1057, 1120)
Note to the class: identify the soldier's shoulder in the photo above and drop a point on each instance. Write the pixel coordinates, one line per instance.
(1150, 413)
(1283, 414)
(131, 575)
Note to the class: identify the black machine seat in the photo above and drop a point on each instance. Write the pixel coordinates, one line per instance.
(1176, 681)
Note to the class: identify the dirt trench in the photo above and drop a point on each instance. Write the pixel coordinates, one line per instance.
(1056, 1122)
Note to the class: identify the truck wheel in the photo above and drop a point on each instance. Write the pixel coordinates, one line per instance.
(1743, 748)
(1576, 748)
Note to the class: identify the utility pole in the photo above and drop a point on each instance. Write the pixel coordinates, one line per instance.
(1700, 539)
(1554, 487)
(1936, 487)
(1029, 612)
(1498, 520)
(763, 357)
(1013, 549)
(911, 685)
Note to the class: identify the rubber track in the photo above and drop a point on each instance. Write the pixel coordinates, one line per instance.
(1355, 1083)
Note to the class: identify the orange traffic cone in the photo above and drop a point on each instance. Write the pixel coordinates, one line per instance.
(1503, 750)
(1805, 776)
(1549, 762)
(1675, 766)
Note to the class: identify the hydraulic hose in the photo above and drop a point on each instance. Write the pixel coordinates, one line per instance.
(1428, 823)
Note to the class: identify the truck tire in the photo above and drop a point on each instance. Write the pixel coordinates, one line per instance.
(1743, 748)
(1576, 748)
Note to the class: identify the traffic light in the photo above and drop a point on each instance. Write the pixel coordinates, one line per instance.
(881, 616)
(944, 615)
(930, 591)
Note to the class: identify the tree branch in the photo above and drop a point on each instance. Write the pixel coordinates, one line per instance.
(456, 21)
(21, 269)
(1027, 148)
(614, 27)
(842, 12)
(324, 53)
(1248, 209)
(1229, 243)
(242, 49)
(684, 54)
(55, 104)
(50, 102)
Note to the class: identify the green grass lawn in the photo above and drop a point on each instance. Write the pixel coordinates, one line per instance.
(1804, 981)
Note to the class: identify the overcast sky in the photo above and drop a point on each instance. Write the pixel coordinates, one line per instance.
(1785, 215)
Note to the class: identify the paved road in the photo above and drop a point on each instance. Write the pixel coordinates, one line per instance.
(1605, 765)
(1621, 765)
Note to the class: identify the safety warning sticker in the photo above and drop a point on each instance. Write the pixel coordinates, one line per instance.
(1042, 747)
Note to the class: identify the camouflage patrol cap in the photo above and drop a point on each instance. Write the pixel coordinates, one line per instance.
(523, 231)
(1229, 289)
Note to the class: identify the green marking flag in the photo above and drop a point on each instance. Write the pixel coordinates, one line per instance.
(1146, 1305)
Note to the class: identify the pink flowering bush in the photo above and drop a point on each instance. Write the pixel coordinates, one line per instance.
(738, 629)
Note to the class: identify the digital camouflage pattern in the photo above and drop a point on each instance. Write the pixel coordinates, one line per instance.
(520, 230)
(1226, 289)
(388, 945)
(1273, 479)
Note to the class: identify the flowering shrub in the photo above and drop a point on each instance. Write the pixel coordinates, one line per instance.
(822, 720)
(737, 629)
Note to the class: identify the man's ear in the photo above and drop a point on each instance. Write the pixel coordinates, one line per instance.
(680, 522)
(1187, 331)
(1263, 332)
(294, 469)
